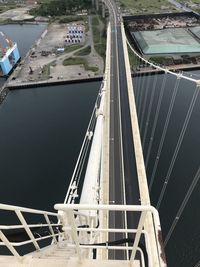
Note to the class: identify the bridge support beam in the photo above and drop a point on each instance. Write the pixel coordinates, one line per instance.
(104, 181)
(156, 249)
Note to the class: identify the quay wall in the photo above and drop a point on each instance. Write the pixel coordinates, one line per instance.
(46, 83)
(6, 87)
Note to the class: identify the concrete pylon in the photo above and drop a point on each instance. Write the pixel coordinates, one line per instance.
(93, 3)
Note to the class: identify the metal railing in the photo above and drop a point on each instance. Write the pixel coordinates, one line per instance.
(51, 229)
(81, 226)
(81, 229)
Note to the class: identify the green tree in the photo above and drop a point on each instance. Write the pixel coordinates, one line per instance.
(61, 7)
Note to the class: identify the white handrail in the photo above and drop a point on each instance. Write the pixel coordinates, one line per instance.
(72, 226)
(31, 238)
(28, 210)
(10, 227)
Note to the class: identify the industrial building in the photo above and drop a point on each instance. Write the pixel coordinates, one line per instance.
(166, 38)
(168, 41)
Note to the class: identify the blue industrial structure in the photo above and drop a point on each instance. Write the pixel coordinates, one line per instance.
(9, 55)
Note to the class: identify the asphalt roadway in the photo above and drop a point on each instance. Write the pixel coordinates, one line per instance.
(123, 180)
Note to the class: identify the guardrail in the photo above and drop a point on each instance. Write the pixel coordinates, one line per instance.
(81, 226)
(51, 229)
(83, 232)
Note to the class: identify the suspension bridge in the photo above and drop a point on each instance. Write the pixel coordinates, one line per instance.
(106, 217)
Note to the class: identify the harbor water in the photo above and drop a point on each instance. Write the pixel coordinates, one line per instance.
(24, 35)
(41, 133)
(183, 246)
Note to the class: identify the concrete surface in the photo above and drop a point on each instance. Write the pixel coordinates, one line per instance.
(51, 39)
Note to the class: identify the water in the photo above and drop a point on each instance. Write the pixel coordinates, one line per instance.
(24, 35)
(183, 248)
(41, 133)
(42, 130)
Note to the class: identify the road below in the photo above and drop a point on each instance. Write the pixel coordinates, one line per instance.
(123, 178)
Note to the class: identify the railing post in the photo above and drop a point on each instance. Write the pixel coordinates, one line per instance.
(27, 229)
(70, 215)
(138, 235)
(9, 246)
(50, 227)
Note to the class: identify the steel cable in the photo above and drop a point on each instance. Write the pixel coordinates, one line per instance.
(181, 136)
(83, 150)
(182, 207)
(145, 103)
(164, 132)
(156, 118)
(150, 108)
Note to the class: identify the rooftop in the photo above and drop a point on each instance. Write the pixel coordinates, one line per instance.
(196, 31)
(167, 41)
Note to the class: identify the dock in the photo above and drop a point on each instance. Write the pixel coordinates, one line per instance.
(13, 86)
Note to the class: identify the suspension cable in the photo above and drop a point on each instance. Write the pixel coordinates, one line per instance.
(145, 103)
(197, 264)
(81, 168)
(156, 119)
(181, 136)
(182, 207)
(84, 148)
(164, 131)
(141, 94)
(136, 87)
(150, 108)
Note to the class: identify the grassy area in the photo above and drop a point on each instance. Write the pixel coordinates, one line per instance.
(146, 6)
(95, 21)
(6, 7)
(96, 34)
(132, 58)
(72, 48)
(84, 52)
(99, 35)
(60, 7)
(69, 19)
(101, 50)
(79, 61)
(159, 60)
(162, 60)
